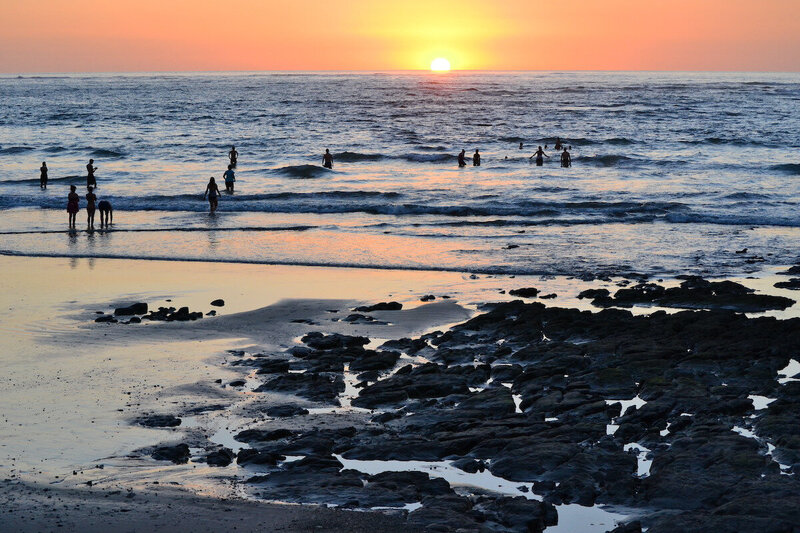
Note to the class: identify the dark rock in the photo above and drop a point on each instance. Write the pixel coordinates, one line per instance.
(319, 341)
(322, 387)
(255, 457)
(468, 465)
(793, 284)
(221, 457)
(134, 320)
(134, 309)
(549, 296)
(178, 454)
(285, 411)
(527, 292)
(106, 318)
(630, 527)
(383, 306)
(218, 302)
(257, 435)
(372, 360)
(427, 298)
(237, 383)
(159, 421)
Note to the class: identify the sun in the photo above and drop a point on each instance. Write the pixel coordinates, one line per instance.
(440, 64)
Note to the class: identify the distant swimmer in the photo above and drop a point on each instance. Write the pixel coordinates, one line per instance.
(327, 159)
(566, 159)
(476, 159)
(106, 213)
(43, 176)
(539, 154)
(91, 200)
(558, 145)
(233, 155)
(230, 179)
(73, 205)
(212, 191)
(462, 159)
(520, 146)
(90, 168)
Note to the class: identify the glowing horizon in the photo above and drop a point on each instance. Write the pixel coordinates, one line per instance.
(335, 35)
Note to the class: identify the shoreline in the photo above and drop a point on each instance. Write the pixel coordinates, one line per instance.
(247, 338)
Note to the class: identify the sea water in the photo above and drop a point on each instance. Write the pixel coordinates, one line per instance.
(672, 172)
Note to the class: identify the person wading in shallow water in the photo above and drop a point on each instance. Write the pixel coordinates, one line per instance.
(230, 179)
(106, 213)
(566, 159)
(538, 155)
(73, 205)
(476, 159)
(233, 155)
(91, 199)
(462, 159)
(327, 159)
(90, 180)
(212, 191)
(43, 175)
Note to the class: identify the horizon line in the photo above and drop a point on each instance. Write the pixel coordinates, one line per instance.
(420, 70)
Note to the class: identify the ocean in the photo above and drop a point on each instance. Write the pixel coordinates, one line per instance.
(672, 172)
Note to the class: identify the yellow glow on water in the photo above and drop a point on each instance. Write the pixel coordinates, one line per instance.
(440, 64)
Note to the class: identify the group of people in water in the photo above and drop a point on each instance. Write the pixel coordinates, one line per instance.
(212, 192)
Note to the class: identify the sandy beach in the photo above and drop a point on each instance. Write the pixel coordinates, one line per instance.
(429, 411)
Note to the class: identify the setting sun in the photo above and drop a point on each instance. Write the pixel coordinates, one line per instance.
(440, 64)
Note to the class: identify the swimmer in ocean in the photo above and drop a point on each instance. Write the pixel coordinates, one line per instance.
(566, 159)
(476, 159)
(212, 191)
(233, 155)
(558, 145)
(327, 159)
(43, 175)
(539, 154)
(462, 159)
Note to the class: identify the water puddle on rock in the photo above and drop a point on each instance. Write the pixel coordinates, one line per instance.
(571, 517)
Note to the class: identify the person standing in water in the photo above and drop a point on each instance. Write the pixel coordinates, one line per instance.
(520, 146)
(462, 159)
(538, 155)
(233, 155)
(43, 175)
(558, 145)
(476, 159)
(90, 180)
(230, 179)
(566, 159)
(73, 205)
(327, 159)
(91, 199)
(106, 213)
(212, 191)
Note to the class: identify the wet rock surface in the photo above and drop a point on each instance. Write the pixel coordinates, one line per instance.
(653, 413)
(694, 292)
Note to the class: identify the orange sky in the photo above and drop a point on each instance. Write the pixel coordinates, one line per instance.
(151, 35)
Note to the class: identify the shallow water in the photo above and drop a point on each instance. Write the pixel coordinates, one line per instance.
(673, 172)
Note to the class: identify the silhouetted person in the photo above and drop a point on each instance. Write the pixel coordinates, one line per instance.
(90, 168)
(91, 200)
(230, 179)
(327, 159)
(212, 191)
(73, 205)
(43, 176)
(538, 154)
(233, 155)
(476, 159)
(558, 145)
(462, 159)
(106, 212)
(520, 146)
(566, 159)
